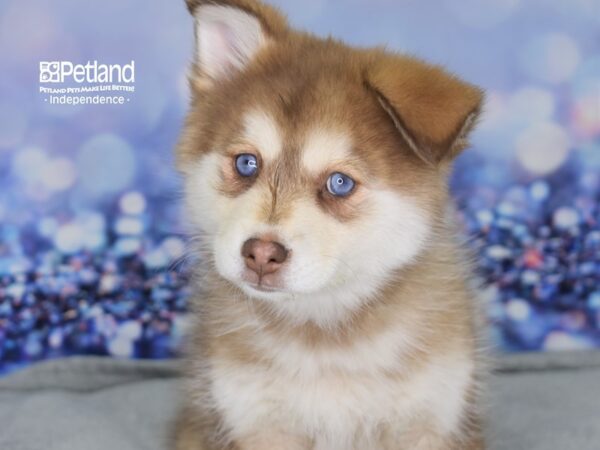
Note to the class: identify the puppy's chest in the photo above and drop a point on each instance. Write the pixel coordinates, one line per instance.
(336, 392)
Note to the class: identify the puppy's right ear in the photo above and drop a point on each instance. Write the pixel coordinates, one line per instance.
(229, 34)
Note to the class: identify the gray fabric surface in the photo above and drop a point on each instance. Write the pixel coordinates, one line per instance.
(537, 402)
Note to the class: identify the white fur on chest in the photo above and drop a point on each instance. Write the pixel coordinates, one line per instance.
(340, 398)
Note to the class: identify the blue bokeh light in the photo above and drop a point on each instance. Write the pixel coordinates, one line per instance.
(109, 164)
(92, 254)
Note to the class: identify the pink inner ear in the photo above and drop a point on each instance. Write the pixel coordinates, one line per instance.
(231, 50)
(217, 50)
(227, 37)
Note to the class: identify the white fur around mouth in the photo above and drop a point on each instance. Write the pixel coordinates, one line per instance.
(261, 288)
(261, 291)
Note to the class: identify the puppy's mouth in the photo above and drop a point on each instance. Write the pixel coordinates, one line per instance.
(265, 289)
(269, 283)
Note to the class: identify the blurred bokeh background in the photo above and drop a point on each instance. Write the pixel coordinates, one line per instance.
(92, 242)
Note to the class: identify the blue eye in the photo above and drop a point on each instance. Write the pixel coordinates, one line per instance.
(246, 165)
(340, 185)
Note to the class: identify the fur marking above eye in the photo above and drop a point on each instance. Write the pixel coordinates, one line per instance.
(246, 165)
(340, 185)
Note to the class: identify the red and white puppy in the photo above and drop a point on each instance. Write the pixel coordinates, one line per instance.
(334, 308)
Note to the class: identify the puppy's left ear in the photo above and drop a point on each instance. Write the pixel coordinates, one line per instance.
(229, 34)
(433, 110)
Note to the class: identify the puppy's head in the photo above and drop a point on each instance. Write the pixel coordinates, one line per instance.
(314, 171)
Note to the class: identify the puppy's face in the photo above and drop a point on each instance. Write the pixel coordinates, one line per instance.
(313, 171)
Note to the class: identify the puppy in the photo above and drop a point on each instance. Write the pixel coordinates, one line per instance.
(334, 309)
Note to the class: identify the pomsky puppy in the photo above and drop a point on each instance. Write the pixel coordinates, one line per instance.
(334, 310)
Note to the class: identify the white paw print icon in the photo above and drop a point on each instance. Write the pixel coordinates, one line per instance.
(49, 72)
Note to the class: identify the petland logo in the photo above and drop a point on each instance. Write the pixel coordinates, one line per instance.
(92, 72)
(86, 83)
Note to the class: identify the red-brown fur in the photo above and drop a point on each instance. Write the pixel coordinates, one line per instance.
(405, 117)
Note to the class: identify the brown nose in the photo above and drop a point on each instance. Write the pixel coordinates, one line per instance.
(263, 257)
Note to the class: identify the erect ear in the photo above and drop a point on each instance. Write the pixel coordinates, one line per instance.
(229, 33)
(433, 110)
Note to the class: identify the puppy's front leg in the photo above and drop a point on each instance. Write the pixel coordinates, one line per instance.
(273, 440)
(187, 436)
(427, 439)
(435, 442)
(196, 430)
